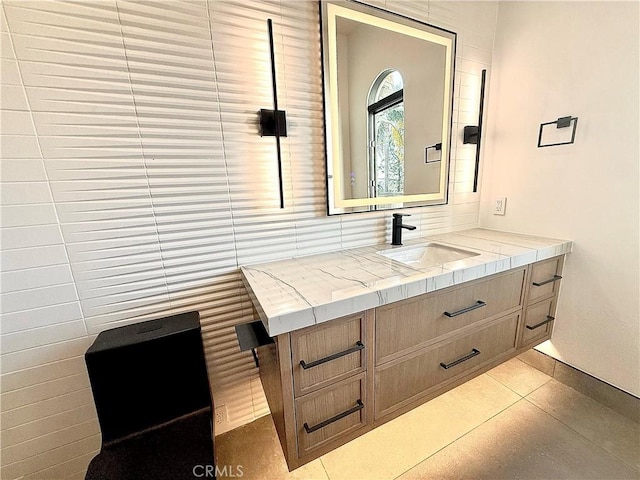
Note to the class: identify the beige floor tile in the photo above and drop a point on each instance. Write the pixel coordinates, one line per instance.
(613, 432)
(254, 451)
(394, 447)
(522, 442)
(518, 376)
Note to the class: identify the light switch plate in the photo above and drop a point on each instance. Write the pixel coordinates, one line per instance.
(499, 205)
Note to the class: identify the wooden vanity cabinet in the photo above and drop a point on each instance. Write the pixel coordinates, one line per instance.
(318, 385)
(408, 325)
(408, 380)
(542, 296)
(330, 383)
(323, 354)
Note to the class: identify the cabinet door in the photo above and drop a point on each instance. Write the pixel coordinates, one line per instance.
(331, 413)
(327, 353)
(538, 322)
(405, 380)
(405, 326)
(545, 279)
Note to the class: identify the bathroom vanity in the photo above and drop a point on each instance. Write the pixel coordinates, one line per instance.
(364, 335)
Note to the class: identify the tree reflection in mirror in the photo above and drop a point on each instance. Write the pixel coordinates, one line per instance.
(386, 135)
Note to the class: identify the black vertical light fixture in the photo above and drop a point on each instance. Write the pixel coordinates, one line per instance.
(273, 123)
(473, 134)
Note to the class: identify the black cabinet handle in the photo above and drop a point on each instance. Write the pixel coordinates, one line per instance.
(544, 322)
(355, 409)
(551, 280)
(478, 304)
(359, 346)
(473, 353)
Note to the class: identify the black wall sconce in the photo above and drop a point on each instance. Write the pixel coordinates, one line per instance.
(473, 134)
(562, 122)
(273, 123)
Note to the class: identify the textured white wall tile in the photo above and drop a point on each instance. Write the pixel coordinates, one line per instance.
(27, 215)
(146, 115)
(75, 122)
(62, 470)
(5, 46)
(12, 97)
(33, 357)
(3, 22)
(103, 317)
(48, 460)
(12, 472)
(53, 440)
(19, 146)
(35, 278)
(13, 342)
(24, 193)
(32, 257)
(43, 391)
(29, 413)
(22, 170)
(16, 122)
(45, 426)
(39, 317)
(9, 73)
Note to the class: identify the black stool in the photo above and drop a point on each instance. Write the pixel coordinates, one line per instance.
(151, 390)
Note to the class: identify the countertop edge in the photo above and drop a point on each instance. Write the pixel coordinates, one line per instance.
(365, 297)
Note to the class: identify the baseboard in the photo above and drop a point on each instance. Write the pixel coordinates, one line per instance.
(618, 400)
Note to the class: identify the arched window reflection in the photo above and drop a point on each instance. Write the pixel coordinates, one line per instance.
(386, 135)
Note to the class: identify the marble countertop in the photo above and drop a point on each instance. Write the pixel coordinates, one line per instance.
(303, 291)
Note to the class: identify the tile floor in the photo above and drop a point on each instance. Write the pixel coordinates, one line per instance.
(513, 422)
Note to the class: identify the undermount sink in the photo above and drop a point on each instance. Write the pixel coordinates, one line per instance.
(426, 254)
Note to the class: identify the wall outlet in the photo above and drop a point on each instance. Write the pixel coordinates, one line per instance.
(221, 414)
(499, 205)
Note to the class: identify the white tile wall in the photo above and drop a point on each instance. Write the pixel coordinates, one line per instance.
(134, 183)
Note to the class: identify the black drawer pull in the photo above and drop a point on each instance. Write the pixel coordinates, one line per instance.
(478, 304)
(544, 322)
(551, 280)
(359, 346)
(355, 409)
(473, 353)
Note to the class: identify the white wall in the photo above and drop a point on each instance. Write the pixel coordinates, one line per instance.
(134, 183)
(553, 59)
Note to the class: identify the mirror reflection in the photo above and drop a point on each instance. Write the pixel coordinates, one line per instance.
(388, 86)
(386, 136)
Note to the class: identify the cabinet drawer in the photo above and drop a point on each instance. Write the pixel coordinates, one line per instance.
(545, 279)
(538, 322)
(330, 413)
(413, 376)
(326, 353)
(405, 326)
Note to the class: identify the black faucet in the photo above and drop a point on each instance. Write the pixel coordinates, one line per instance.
(396, 232)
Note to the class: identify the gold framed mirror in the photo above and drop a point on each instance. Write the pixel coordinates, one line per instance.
(388, 84)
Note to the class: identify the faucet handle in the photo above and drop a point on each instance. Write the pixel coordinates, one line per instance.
(400, 215)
